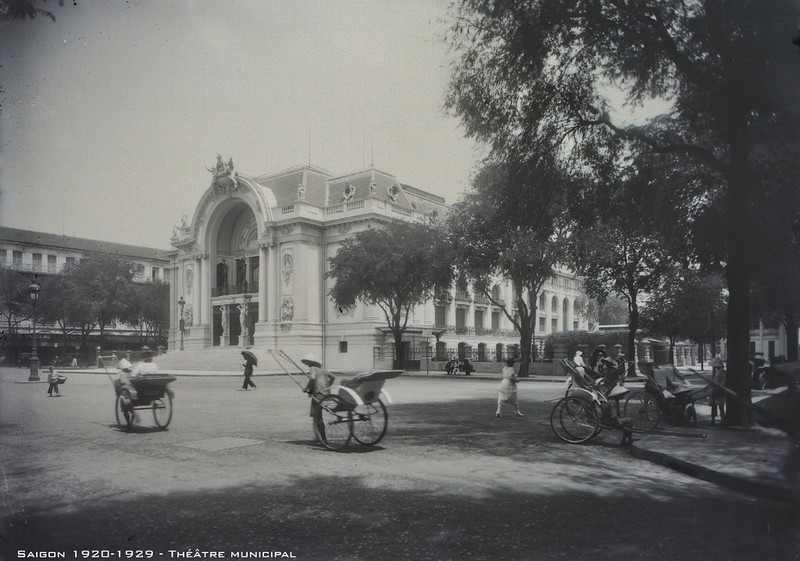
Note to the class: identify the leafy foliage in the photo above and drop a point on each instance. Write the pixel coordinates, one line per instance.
(22, 9)
(395, 267)
(689, 304)
(509, 225)
(536, 76)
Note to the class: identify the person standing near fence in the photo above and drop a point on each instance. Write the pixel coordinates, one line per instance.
(507, 392)
(718, 394)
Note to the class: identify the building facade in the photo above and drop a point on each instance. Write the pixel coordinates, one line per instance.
(39, 254)
(249, 269)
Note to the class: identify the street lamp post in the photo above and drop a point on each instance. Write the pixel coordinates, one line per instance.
(33, 290)
(182, 303)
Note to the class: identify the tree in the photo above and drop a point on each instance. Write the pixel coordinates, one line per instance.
(99, 285)
(54, 304)
(689, 304)
(537, 75)
(15, 304)
(508, 226)
(147, 310)
(777, 269)
(612, 311)
(21, 9)
(617, 244)
(395, 267)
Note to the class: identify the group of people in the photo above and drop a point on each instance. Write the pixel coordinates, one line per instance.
(455, 366)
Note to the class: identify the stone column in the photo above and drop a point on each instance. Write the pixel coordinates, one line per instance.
(263, 267)
(205, 290)
(196, 319)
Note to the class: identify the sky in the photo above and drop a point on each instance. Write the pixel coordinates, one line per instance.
(110, 115)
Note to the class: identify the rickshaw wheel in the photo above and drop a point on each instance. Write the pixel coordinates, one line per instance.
(333, 422)
(162, 410)
(574, 420)
(123, 410)
(370, 422)
(643, 410)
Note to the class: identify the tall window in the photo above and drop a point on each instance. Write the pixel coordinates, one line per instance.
(17, 259)
(478, 321)
(51, 264)
(461, 320)
(3, 253)
(440, 319)
(37, 262)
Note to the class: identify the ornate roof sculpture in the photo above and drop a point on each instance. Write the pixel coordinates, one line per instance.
(224, 177)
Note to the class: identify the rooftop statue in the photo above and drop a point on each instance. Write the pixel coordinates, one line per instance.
(224, 177)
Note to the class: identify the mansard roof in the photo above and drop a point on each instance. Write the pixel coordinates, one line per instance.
(286, 185)
(319, 187)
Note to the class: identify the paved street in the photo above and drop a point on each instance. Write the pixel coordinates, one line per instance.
(239, 472)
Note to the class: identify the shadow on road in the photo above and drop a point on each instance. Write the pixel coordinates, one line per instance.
(338, 517)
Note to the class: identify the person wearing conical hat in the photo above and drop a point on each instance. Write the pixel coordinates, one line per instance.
(125, 374)
(320, 380)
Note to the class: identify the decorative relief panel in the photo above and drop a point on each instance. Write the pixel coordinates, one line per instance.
(287, 268)
(287, 308)
(189, 278)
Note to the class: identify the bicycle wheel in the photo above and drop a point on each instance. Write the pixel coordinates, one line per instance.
(574, 420)
(370, 422)
(162, 410)
(643, 410)
(333, 422)
(123, 410)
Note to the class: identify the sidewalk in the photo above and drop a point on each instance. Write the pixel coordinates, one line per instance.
(747, 460)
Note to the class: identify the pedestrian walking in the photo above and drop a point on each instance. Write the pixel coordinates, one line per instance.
(507, 392)
(52, 378)
(248, 371)
(719, 376)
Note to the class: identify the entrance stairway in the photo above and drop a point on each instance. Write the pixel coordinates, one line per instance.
(222, 360)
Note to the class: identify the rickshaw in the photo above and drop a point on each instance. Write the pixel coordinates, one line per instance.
(353, 409)
(675, 397)
(152, 393)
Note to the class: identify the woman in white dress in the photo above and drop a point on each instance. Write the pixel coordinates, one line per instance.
(507, 393)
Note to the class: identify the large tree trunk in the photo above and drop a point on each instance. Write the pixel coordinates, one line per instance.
(738, 277)
(525, 340)
(399, 362)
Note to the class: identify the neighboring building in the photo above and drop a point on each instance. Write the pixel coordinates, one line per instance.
(769, 341)
(249, 269)
(38, 254)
